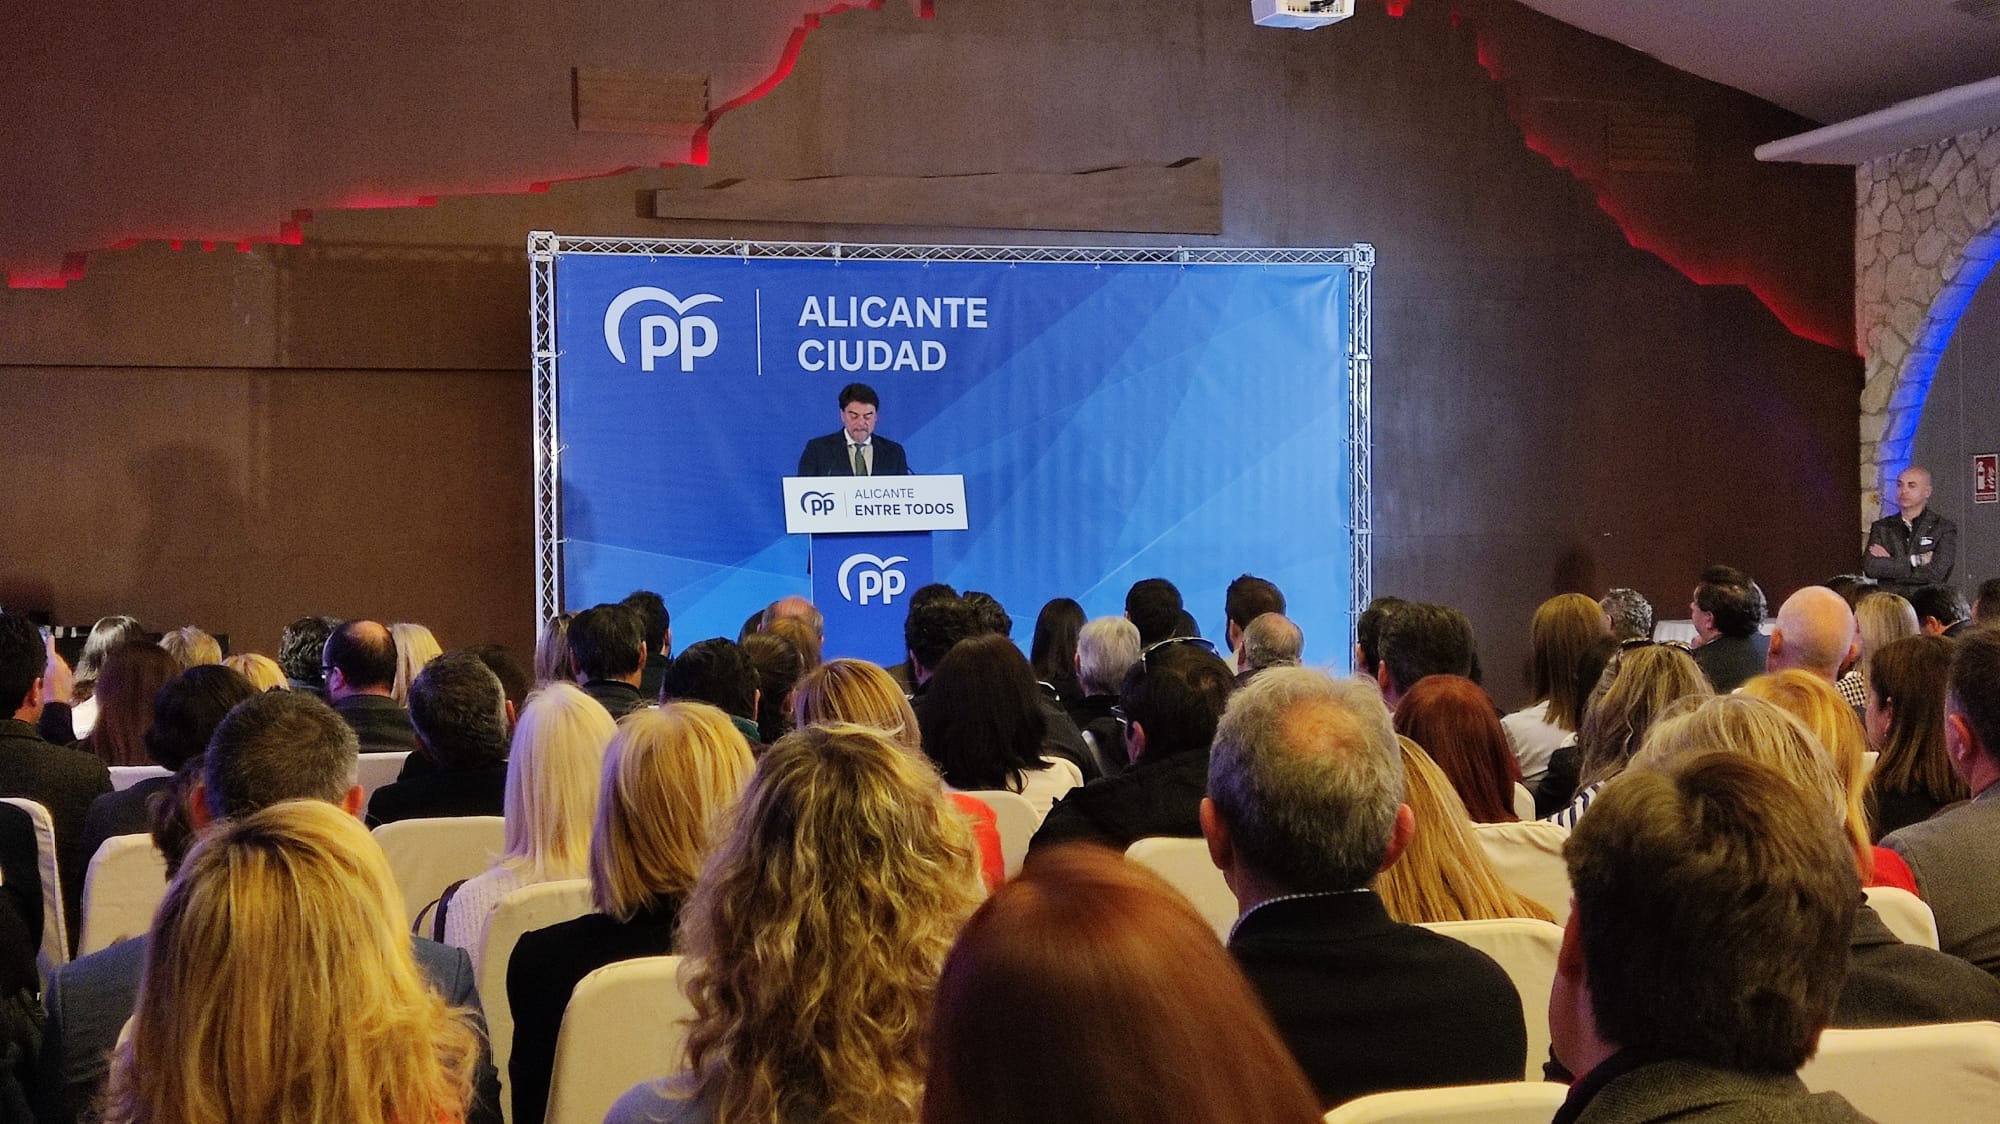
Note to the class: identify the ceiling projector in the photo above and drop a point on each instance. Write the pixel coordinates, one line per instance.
(1300, 13)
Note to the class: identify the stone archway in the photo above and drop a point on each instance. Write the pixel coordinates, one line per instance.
(1927, 232)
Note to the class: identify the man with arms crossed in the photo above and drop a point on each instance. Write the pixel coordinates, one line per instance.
(1915, 546)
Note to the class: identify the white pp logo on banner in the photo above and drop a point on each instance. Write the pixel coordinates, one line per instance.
(881, 580)
(660, 337)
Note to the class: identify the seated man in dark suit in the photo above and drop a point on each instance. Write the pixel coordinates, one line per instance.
(854, 449)
(459, 710)
(607, 645)
(1305, 806)
(281, 745)
(1707, 947)
(717, 671)
(360, 665)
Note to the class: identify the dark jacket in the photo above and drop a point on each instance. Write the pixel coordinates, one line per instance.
(1890, 983)
(64, 781)
(477, 791)
(1368, 1004)
(1631, 1088)
(827, 456)
(1729, 661)
(380, 721)
(1151, 798)
(120, 813)
(619, 697)
(1930, 534)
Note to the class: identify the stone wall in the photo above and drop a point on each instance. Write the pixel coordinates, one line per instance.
(1927, 233)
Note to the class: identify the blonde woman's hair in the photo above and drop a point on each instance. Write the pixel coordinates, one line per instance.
(668, 775)
(191, 647)
(1638, 684)
(263, 672)
(415, 648)
(1444, 874)
(553, 771)
(817, 930)
(1813, 701)
(847, 690)
(1883, 618)
(279, 987)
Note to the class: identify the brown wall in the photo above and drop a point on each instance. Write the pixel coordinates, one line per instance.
(342, 426)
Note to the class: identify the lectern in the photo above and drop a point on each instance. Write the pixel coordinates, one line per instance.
(869, 549)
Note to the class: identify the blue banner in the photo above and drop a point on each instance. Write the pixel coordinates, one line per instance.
(1112, 422)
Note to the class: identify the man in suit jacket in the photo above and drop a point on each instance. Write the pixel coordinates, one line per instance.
(282, 745)
(360, 666)
(1305, 806)
(854, 449)
(62, 780)
(1954, 853)
(1707, 947)
(460, 713)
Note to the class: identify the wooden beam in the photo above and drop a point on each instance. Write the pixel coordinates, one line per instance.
(1184, 197)
(637, 101)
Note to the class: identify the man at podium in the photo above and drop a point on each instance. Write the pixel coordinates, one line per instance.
(854, 449)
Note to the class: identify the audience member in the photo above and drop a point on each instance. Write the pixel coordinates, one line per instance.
(1986, 609)
(1728, 611)
(1879, 619)
(271, 748)
(106, 634)
(301, 651)
(132, 675)
(858, 692)
(1453, 720)
(1193, 1041)
(515, 680)
(1558, 786)
(1246, 599)
(315, 958)
(1627, 614)
(607, 644)
(60, 779)
(1941, 610)
(415, 649)
(992, 614)
(1419, 639)
(982, 722)
(799, 608)
(1052, 651)
(815, 934)
(718, 672)
(803, 637)
(261, 671)
(191, 647)
(185, 713)
(1563, 630)
(1172, 699)
(1638, 685)
(459, 711)
(360, 668)
(1305, 806)
(930, 630)
(1815, 632)
(1851, 587)
(1368, 635)
(1444, 874)
(656, 625)
(1269, 640)
(1914, 546)
(1153, 605)
(1914, 774)
(1732, 884)
(552, 659)
(779, 666)
(669, 774)
(1955, 853)
(1807, 697)
(552, 777)
(1106, 648)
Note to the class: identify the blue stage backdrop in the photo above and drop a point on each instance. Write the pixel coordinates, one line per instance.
(1113, 421)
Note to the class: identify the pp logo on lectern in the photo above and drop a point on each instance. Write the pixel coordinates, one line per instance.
(880, 579)
(817, 503)
(660, 337)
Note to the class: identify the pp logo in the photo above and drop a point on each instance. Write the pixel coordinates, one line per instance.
(817, 503)
(881, 580)
(661, 337)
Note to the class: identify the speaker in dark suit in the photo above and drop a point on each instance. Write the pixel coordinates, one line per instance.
(833, 454)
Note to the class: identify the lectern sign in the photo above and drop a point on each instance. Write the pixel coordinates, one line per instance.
(822, 505)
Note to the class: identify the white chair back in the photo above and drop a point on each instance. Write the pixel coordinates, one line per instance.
(1016, 821)
(1905, 914)
(1526, 950)
(374, 770)
(625, 1023)
(1911, 1074)
(1528, 857)
(523, 911)
(1185, 864)
(1524, 802)
(1513, 1102)
(125, 776)
(121, 891)
(55, 930)
(428, 855)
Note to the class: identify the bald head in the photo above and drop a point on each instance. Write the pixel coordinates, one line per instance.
(1271, 640)
(360, 658)
(1815, 632)
(794, 606)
